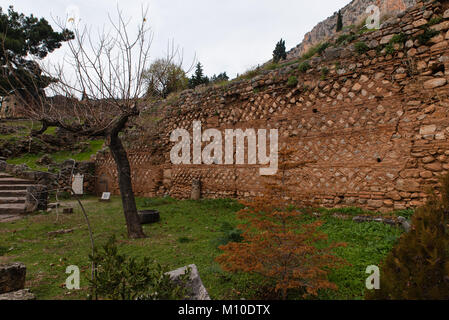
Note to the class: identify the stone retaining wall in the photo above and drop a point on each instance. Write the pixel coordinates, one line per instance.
(375, 125)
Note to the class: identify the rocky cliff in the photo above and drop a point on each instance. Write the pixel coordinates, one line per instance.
(352, 14)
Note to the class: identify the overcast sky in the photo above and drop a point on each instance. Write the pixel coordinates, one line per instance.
(225, 35)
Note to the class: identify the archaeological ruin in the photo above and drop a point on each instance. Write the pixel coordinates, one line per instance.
(369, 117)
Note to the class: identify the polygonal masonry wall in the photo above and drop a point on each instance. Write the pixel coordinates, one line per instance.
(374, 127)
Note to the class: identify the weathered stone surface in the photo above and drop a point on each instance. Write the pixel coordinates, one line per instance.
(195, 285)
(19, 295)
(435, 83)
(405, 224)
(12, 277)
(429, 129)
(352, 14)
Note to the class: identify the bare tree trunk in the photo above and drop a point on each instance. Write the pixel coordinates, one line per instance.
(120, 156)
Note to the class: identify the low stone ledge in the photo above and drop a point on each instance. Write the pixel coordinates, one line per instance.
(24, 294)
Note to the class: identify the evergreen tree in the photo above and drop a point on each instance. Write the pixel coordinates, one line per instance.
(220, 78)
(418, 266)
(339, 21)
(22, 37)
(279, 52)
(198, 77)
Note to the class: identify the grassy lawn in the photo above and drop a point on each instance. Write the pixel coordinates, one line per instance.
(187, 233)
(58, 157)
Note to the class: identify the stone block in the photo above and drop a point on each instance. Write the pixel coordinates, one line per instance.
(195, 285)
(12, 277)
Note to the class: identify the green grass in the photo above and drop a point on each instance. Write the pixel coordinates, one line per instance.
(25, 128)
(30, 159)
(187, 233)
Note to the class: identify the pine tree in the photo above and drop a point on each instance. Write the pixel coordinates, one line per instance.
(418, 266)
(339, 21)
(279, 52)
(198, 77)
(22, 39)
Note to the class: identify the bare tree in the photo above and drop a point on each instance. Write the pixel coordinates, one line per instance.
(107, 71)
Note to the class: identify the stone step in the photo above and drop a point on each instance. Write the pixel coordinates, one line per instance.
(5, 175)
(10, 200)
(9, 181)
(15, 208)
(14, 186)
(13, 193)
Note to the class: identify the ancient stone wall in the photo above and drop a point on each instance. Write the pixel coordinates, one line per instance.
(374, 126)
(352, 14)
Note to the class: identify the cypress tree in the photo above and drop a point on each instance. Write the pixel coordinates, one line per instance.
(339, 21)
(279, 52)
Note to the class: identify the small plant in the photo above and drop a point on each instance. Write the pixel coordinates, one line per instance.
(389, 49)
(304, 66)
(184, 240)
(3, 251)
(361, 47)
(324, 73)
(399, 38)
(271, 66)
(292, 81)
(427, 35)
(434, 21)
(120, 277)
(250, 73)
(322, 47)
(229, 234)
(345, 39)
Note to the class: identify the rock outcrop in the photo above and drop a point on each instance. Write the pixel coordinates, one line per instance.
(352, 14)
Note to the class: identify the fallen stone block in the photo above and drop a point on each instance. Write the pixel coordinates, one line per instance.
(12, 277)
(195, 285)
(24, 294)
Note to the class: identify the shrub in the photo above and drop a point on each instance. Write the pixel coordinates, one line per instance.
(418, 266)
(398, 38)
(389, 49)
(271, 66)
(434, 21)
(324, 73)
(304, 66)
(319, 48)
(322, 47)
(229, 234)
(250, 73)
(288, 254)
(345, 38)
(3, 251)
(292, 81)
(427, 35)
(120, 277)
(361, 47)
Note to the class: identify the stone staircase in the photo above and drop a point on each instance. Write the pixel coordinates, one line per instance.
(13, 192)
